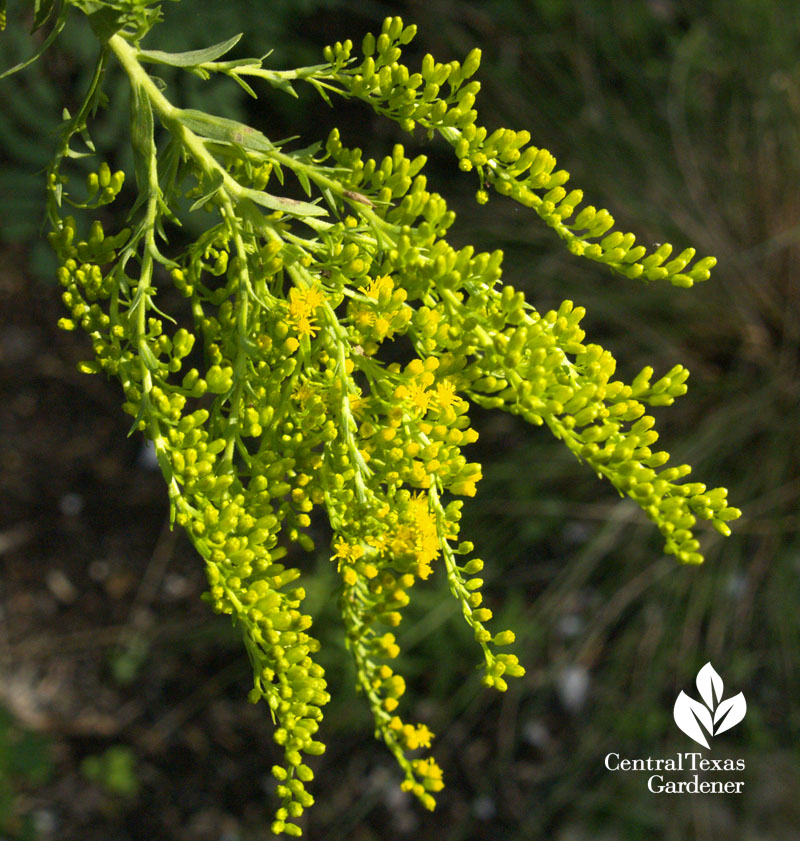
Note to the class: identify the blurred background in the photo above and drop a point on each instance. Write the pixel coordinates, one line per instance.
(122, 699)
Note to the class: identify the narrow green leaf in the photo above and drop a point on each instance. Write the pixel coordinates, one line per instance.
(225, 131)
(296, 208)
(232, 64)
(331, 199)
(87, 138)
(302, 177)
(168, 166)
(321, 91)
(167, 213)
(191, 58)
(307, 152)
(283, 85)
(142, 141)
(241, 82)
(42, 9)
(148, 357)
(199, 71)
(209, 194)
(54, 33)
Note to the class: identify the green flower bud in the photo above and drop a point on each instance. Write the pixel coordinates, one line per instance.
(219, 379)
(471, 63)
(368, 44)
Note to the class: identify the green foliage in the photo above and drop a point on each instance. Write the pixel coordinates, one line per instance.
(24, 761)
(114, 770)
(322, 353)
(32, 103)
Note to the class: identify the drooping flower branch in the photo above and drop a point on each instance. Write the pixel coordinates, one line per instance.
(270, 393)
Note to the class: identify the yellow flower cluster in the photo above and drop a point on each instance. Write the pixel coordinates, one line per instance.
(380, 313)
(411, 737)
(279, 392)
(429, 775)
(503, 159)
(303, 305)
(416, 538)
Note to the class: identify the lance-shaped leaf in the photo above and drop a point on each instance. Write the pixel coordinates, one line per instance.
(142, 141)
(60, 20)
(296, 208)
(42, 10)
(215, 187)
(224, 130)
(689, 714)
(191, 58)
(729, 713)
(709, 685)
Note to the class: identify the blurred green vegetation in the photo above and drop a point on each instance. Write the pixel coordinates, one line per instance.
(25, 763)
(683, 120)
(114, 770)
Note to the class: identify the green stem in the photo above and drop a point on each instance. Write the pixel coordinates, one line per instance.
(170, 115)
(232, 193)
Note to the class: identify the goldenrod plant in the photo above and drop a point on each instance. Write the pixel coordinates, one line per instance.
(323, 352)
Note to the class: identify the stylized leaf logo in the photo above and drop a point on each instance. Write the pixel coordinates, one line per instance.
(714, 715)
(689, 714)
(729, 713)
(709, 685)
